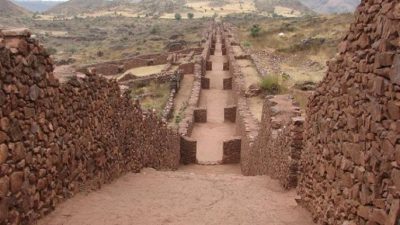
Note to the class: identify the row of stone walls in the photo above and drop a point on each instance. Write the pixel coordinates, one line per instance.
(186, 125)
(120, 66)
(188, 145)
(351, 162)
(273, 146)
(56, 138)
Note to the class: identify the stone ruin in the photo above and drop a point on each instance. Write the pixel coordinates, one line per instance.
(56, 139)
(344, 157)
(351, 160)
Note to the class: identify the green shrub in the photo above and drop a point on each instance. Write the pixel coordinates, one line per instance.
(255, 30)
(178, 16)
(190, 15)
(271, 84)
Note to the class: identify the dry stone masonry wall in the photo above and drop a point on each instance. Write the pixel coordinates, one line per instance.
(351, 162)
(56, 139)
(273, 146)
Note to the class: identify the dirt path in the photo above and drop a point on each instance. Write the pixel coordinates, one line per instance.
(190, 196)
(210, 135)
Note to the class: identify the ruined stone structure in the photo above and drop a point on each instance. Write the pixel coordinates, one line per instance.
(351, 161)
(274, 145)
(57, 138)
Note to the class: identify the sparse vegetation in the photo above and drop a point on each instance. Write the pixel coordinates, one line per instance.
(153, 96)
(180, 115)
(255, 30)
(190, 15)
(271, 84)
(178, 16)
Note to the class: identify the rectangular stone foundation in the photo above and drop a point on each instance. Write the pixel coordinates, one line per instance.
(188, 150)
(227, 83)
(200, 115)
(230, 113)
(205, 83)
(226, 66)
(231, 150)
(209, 66)
(212, 51)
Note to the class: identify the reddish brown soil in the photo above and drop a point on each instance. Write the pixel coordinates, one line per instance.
(190, 196)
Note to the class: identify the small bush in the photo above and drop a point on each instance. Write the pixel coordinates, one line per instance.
(271, 84)
(178, 16)
(190, 15)
(255, 30)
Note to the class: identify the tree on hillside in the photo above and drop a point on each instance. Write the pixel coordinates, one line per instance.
(190, 15)
(255, 30)
(178, 16)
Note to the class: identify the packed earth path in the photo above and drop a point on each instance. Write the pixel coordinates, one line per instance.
(195, 194)
(210, 135)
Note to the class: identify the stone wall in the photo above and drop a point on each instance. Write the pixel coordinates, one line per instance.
(273, 146)
(186, 125)
(56, 138)
(231, 151)
(351, 162)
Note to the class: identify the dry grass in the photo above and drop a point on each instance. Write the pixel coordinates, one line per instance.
(153, 96)
(303, 44)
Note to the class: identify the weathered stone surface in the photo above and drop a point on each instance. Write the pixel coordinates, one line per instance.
(395, 71)
(55, 138)
(3, 153)
(16, 181)
(350, 163)
(34, 92)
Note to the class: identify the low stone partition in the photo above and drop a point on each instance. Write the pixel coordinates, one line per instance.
(200, 115)
(186, 125)
(169, 107)
(226, 66)
(205, 83)
(231, 151)
(227, 83)
(56, 139)
(209, 66)
(230, 113)
(188, 150)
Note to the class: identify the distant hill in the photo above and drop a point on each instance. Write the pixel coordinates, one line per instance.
(331, 6)
(73, 7)
(36, 5)
(8, 8)
(270, 5)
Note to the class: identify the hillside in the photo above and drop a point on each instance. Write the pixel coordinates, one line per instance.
(274, 6)
(8, 8)
(168, 8)
(36, 5)
(73, 7)
(331, 6)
